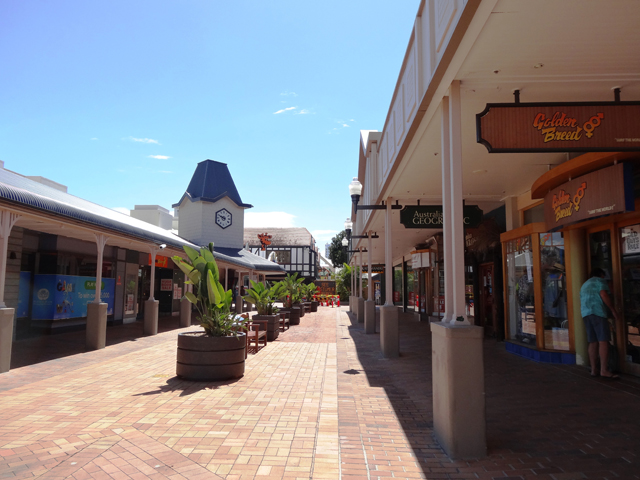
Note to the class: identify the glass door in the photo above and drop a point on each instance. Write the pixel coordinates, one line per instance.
(630, 270)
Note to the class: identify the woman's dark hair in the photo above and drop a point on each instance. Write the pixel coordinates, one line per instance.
(598, 272)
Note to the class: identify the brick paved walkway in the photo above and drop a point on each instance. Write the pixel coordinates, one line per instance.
(320, 402)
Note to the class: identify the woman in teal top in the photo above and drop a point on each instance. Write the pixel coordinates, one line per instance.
(595, 304)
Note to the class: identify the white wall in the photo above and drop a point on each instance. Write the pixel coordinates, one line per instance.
(197, 223)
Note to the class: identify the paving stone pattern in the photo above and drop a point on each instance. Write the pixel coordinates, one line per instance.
(320, 402)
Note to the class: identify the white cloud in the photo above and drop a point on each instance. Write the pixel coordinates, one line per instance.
(304, 111)
(352, 120)
(164, 171)
(159, 157)
(345, 125)
(122, 210)
(289, 94)
(323, 236)
(269, 219)
(143, 140)
(94, 138)
(284, 110)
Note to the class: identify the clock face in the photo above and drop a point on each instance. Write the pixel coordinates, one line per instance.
(223, 218)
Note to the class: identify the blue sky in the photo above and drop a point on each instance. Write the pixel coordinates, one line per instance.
(119, 100)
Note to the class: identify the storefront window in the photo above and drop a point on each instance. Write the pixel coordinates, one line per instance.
(520, 298)
(554, 291)
(397, 285)
(411, 296)
(630, 238)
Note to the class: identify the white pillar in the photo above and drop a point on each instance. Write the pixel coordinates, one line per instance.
(101, 241)
(388, 256)
(447, 252)
(7, 221)
(370, 269)
(151, 306)
(153, 251)
(96, 332)
(226, 278)
(370, 305)
(457, 216)
(360, 273)
(389, 336)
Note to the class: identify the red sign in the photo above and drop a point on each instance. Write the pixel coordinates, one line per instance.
(166, 285)
(161, 261)
(396, 296)
(560, 127)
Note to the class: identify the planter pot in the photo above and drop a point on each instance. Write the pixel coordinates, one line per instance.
(204, 358)
(301, 307)
(294, 316)
(314, 306)
(272, 324)
(307, 307)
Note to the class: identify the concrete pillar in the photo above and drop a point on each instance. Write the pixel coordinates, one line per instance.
(239, 303)
(389, 336)
(360, 274)
(459, 421)
(96, 326)
(360, 313)
(6, 337)
(151, 317)
(185, 313)
(370, 316)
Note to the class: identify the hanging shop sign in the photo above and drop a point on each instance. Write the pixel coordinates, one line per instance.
(378, 268)
(430, 216)
(560, 127)
(161, 261)
(593, 195)
(421, 259)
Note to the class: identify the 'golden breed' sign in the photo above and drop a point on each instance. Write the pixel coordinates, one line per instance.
(595, 194)
(561, 127)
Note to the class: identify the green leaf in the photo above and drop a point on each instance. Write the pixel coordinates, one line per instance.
(214, 295)
(191, 297)
(192, 253)
(182, 265)
(207, 255)
(214, 268)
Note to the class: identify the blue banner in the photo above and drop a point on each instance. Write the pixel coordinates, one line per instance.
(57, 297)
(24, 286)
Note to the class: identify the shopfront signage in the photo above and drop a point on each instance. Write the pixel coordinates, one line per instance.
(161, 261)
(379, 268)
(430, 216)
(166, 285)
(593, 195)
(631, 240)
(421, 260)
(560, 127)
(326, 287)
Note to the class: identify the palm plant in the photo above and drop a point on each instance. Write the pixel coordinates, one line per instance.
(263, 297)
(289, 290)
(212, 302)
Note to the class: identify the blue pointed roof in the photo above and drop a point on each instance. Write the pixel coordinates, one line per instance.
(210, 182)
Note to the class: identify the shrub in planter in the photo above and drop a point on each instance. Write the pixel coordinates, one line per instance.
(218, 351)
(263, 298)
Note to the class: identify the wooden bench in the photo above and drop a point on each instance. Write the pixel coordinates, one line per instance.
(284, 321)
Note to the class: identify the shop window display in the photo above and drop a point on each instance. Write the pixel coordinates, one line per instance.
(521, 308)
(554, 282)
(630, 239)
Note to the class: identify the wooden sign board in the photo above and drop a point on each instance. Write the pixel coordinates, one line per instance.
(326, 287)
(593, 195)
(377, 268)
(560, 127)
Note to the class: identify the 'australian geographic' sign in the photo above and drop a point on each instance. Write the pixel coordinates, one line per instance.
(430, 216)
(559, 127)
(595, 194)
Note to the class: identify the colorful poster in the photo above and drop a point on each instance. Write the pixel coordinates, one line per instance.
(166, 285)
(57, 297)
(24, 287)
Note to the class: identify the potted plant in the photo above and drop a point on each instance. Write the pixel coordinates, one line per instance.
(308, 291)
(263, 298)
(218, 351)
(314, 295)
(289, 293)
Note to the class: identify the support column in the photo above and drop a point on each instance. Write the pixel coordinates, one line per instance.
(447, 252)
(7, 221)
(360, 297)
(457, 356)
(370, 304)
(185, 307)
(389, 336)
(352, 297)
(96, 333)
(239, 297)
(151, 305)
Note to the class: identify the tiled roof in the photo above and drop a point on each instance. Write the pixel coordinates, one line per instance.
(210, 182)
(279, 236)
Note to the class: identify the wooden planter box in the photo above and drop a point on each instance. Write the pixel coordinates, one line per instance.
(271, 323)
(314, 306)
(205, 358)
(301, 307)
(307, 307)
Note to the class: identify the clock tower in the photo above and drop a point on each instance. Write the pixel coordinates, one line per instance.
(211, 209)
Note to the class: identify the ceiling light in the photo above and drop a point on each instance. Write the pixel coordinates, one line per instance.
(479, 171)
(538, 65)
